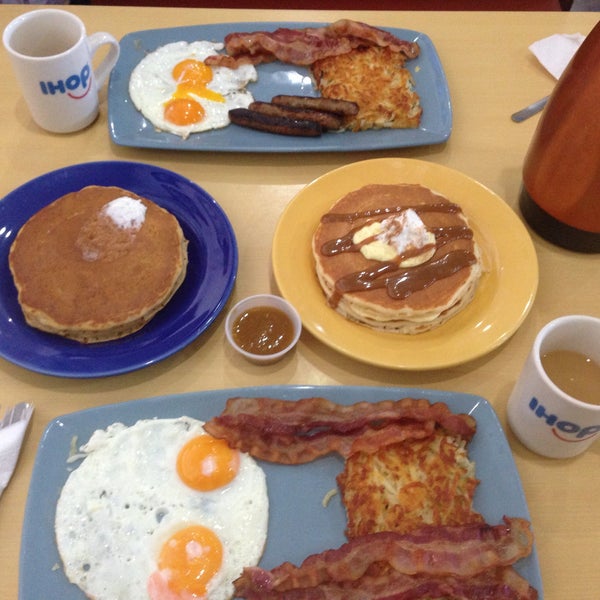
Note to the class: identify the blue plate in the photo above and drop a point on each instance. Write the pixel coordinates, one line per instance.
(299, 524)
(212, 268)
(129, 128)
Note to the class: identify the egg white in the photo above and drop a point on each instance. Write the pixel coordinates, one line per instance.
(126, 499)
(151, 85)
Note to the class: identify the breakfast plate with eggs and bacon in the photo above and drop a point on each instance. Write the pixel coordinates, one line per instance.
(208, 87)
(124, 497)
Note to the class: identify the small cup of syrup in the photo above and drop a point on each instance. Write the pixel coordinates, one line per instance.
(263, 328)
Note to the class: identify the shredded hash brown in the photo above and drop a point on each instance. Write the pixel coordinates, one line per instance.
(376, 79)
(409, 484)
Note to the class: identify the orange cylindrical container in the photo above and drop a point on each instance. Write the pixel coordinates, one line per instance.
(560, 197)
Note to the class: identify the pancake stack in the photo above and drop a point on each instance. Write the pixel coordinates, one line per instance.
(97, 264)
(412, 292)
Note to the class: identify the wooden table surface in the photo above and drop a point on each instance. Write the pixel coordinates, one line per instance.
(491, 73)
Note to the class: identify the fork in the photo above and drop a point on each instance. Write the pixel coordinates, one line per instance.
(19, 412)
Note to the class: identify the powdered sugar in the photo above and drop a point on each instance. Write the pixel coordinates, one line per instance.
(126, 212)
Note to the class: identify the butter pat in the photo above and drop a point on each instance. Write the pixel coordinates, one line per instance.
(402, 235)
(125, 212)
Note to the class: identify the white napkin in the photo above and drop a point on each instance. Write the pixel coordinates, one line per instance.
(556, 51)
(11, 438)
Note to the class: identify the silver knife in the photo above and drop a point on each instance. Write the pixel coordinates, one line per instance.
(530, 110)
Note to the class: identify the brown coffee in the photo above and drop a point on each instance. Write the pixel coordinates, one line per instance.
(576, 374)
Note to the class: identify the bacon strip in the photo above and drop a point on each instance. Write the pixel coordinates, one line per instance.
(503, 583)
(374, 36)
(307, 45)
(298, 431)
(460, 551)
(463, 551)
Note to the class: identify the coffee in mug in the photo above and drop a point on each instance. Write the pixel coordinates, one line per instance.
(574, 373)
(51, 55)
(554, 408)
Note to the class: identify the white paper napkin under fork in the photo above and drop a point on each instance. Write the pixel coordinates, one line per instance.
(556, 51)
(11, 438)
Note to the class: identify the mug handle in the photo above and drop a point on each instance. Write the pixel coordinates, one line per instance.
(102, 71)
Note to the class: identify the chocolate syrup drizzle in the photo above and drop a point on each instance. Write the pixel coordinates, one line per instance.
(400, 282)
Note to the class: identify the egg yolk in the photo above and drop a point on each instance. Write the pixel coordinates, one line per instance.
(192, 77)
(206, 463)
(190, 559)
(183, 111)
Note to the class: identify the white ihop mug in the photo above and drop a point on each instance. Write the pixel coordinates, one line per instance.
(545, 418)
(51, 55)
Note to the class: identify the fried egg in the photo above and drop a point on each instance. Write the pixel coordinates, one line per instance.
(160, 510)
(177, 92)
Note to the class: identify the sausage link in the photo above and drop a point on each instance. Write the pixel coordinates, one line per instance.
(274, 124)
(327, 120)
(341, 107)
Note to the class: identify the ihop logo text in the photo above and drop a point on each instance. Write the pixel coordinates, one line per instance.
(563, 430)
(75, 86)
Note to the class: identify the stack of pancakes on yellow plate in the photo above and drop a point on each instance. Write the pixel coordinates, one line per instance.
(97, 264)
(415, 291)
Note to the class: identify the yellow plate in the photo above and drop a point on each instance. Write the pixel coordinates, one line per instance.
(502, 300)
